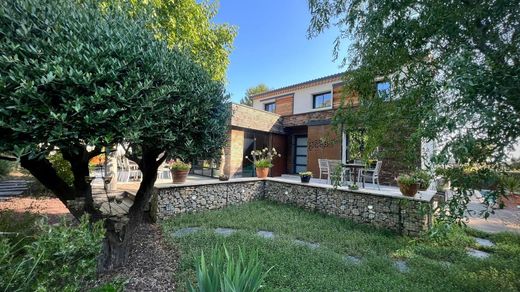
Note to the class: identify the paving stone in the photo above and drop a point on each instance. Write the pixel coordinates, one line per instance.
(352, 259)
(484, 242)
(310, 245)
(225, 231)
(185, 231)
(265, 234)
(477, 253)
(401, 266)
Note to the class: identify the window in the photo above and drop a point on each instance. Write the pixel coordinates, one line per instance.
(322, 100)
(383, 90)
(270, 107)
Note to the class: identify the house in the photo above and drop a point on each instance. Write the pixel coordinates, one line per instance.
(297, 121)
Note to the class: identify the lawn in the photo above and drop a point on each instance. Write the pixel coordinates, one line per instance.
(439, 266)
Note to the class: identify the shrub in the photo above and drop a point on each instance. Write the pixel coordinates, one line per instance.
(179, 166)
(423, 178)
(225, 272)
(5, 167)
(61, 258)
(62, 167)
(406, 180)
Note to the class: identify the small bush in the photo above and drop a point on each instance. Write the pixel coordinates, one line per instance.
(5, 168)
(61, 258)
(62, 167)
(21, 228)
(224, 272)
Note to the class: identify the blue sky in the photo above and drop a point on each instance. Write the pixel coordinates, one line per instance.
(272, 45)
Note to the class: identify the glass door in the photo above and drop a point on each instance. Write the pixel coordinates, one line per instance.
(300, 154)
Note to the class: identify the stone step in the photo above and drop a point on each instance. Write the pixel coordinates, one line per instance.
(10, 193)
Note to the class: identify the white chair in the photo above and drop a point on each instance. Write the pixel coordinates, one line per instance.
(324, 167)
(332, 166)
(372, 174)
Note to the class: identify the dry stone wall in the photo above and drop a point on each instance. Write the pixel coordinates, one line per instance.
(403, 215)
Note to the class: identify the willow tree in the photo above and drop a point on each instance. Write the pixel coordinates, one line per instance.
(453, 66)
(80, 80)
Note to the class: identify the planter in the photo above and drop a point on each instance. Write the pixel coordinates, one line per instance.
(179, 176)
(305, 178)
(408, 191)
(262, 172)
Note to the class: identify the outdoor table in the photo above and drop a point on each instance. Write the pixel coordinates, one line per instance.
(353, 167)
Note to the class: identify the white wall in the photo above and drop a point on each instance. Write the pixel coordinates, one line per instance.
(302, 98)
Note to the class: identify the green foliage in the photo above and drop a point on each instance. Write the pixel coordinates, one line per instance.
(73, 76)
(179, 165)
(59, 258)
(263, 158)
(305, 173)
(5, 168)
(187, 25)
(299, 268)
(62, 167)
(452, 66)
(225, 272)
(263, 163)
(423, 178)
(247, 100)
(407, 180)
(21, 228)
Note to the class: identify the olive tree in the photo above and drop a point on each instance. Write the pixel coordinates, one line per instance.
(81, 80)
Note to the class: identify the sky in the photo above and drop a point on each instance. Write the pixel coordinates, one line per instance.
(272, 46)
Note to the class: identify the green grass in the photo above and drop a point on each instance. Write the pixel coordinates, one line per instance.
(438, 266)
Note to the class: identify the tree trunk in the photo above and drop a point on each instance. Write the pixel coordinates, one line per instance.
(120, 233)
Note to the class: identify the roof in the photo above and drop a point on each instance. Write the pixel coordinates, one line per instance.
(287, 89)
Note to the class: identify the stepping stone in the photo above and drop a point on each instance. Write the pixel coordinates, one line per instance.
(265, 234)
(477, 253)
(310, 245)
(484, 242)
(185, 231)
(225, 231)
(352, 259)
(401, 266)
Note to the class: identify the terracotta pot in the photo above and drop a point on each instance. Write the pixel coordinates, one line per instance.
(305, 178)
(408, 191)
(179, 176)
(262, 172)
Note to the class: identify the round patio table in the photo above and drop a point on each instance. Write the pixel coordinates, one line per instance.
(353, 167)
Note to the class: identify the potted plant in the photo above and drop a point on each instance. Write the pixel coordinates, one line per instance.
(423, 178)
(408, 185)
(263, 160)
(305, 176)
(179, 171)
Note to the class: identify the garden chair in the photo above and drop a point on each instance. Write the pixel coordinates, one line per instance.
(332, 166)
(372, 174)
(324, 167)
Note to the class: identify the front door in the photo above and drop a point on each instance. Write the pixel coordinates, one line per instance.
(300, 154)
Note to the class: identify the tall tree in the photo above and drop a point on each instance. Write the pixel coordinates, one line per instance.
(454, 71)
(187, 25)
(252, 91)
(453, 68)
(79, 80)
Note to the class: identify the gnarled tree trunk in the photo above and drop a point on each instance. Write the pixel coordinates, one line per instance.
(120, 232)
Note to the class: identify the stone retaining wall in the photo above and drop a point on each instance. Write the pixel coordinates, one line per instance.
(398, 213)
(178, 199)
(404, 215)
